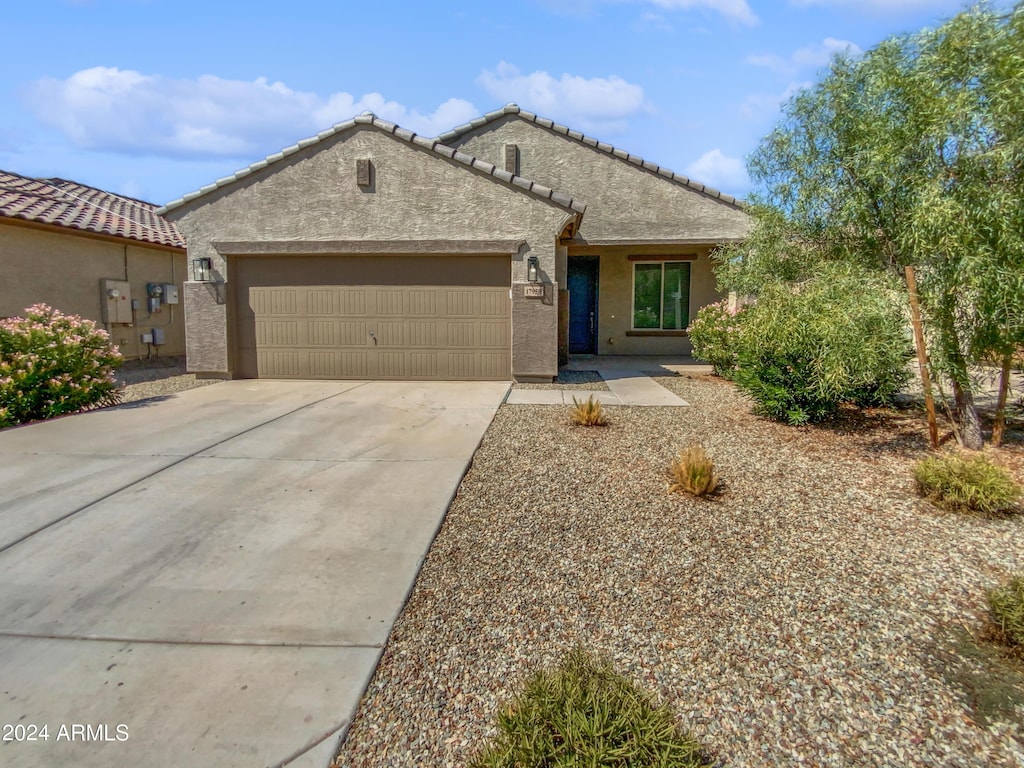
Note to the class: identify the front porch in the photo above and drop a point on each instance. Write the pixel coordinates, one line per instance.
(635, 299)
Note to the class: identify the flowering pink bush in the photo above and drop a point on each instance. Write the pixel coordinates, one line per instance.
(52, 363)
(714, 335)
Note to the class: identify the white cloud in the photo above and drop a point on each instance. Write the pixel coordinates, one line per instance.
(131, 113)
(758, 106)
(132, 188)
(888, 6)
(717, 169)
(592, 103)
(812, 56)
(736, 10)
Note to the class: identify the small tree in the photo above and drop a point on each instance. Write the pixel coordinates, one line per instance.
(911, 155)
(51, 364)
(805, 348)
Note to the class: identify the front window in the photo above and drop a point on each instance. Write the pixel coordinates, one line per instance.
(661, 295)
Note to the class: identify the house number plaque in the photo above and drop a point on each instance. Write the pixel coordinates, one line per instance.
(533, 291)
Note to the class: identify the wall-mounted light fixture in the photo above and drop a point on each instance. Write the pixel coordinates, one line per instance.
(533, 269)
(201, 270)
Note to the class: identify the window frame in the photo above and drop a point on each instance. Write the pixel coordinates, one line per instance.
(661, 261)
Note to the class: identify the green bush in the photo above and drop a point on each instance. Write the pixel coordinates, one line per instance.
(966, 485)
(713, 334)
(805, 349)
(583, 714)
(52, 363)
(1006, 607)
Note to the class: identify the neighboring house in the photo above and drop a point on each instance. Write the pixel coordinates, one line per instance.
(105, 257)
(370, 252)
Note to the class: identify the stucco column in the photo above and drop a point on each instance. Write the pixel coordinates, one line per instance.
(206, 342)
(534, 331)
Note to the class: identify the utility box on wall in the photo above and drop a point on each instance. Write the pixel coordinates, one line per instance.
(170, 293)
(116, 301)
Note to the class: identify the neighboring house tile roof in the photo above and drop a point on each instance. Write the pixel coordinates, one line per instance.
(64, 203)
(514, 109)
(432, 145)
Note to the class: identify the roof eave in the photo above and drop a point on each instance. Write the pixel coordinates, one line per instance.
(370, 120)
(514, 110)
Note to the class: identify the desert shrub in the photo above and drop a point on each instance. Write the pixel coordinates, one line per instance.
(966, 484)
(583, 714)
(840, 337)
(714, 334)
(693, 472)
(52, 363)
(588, 413)
(1006, 607)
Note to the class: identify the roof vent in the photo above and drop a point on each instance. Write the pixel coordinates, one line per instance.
(364, 172)
(512, 159)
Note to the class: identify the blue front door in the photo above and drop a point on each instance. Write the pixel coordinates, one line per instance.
(583, 304)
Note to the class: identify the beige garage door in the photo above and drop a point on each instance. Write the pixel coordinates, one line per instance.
(373, 317)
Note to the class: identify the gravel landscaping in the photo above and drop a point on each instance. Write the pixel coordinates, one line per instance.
(815, 613)
(142, 379)
(583, 380)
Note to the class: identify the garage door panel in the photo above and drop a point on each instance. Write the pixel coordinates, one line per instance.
(494, 303)
(461, 303)
(321, 302)
(391, 331)
(461, 335)
(492, 335)
(422, 303)
(351, 302)
(494, 365)
(321, 333)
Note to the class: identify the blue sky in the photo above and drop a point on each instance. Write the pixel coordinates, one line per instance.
(155, 98)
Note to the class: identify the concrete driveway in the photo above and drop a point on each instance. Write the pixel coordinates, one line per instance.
(209, 580)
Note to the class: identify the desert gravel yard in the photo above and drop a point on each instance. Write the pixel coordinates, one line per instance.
(816, 613)
(156, 377)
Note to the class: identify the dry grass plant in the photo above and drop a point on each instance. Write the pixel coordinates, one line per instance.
(588, 413)
(693, 472)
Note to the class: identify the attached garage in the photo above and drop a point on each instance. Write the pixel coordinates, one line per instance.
(368, 252)
(381, 316)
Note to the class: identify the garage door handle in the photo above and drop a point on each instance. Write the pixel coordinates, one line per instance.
(374, 337)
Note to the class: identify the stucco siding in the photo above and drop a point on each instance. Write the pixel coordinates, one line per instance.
(624, 201)
(64, 271)
(313, 196)
(615, 302)
(535, 333)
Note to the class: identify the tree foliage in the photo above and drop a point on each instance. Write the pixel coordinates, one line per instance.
(910, 155)
(837, 337)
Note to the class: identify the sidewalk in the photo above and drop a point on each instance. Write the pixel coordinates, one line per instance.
(625, 387)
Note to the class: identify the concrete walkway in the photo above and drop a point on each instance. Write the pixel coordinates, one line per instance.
(628, 378)
(217, 572)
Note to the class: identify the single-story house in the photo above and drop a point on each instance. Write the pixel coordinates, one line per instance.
(490, 252)
(84, 251)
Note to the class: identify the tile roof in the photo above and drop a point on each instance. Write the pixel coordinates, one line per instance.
(432, 145)
(75, 206)
(514, 109)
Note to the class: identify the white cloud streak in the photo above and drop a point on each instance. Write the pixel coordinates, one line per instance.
(760, 106)
(891, 7)
(597, 103)
(127, 112)
(734, 10)
(717, 169)
(812, 56)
